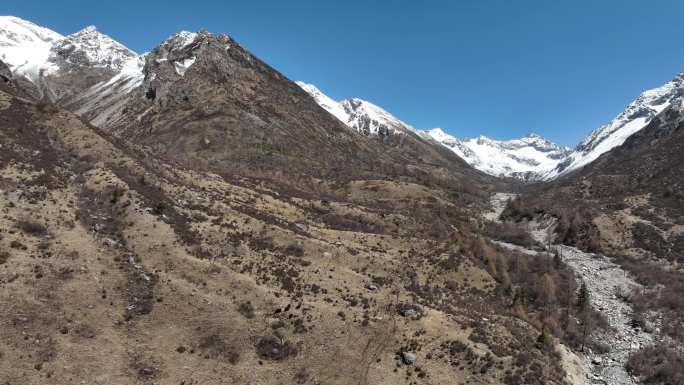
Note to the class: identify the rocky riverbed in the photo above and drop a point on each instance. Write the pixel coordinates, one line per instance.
(609, 286)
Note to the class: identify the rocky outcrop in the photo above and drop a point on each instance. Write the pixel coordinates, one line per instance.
(5, 72)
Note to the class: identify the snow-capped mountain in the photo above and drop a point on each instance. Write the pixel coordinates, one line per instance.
(636, 116)
(529, 158)
(89, 47)
(361, 115)
(25, 47)
(64, 69)
(87, 71)
(522, 158)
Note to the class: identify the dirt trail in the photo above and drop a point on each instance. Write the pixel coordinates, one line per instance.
(607, 282)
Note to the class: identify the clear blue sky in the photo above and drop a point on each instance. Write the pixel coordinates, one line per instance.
(500, 68)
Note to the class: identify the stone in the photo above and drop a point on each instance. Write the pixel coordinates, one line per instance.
(409, 358)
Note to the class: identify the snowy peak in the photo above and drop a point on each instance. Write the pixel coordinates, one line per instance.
(521, 158)
(370, 119)
(439, 135)
(25, 47)
(645, 107)
(89, 47)
(37, 53)
(87, 72)
(360, 115)
(16, 32)
(529, 158)
(179, 40)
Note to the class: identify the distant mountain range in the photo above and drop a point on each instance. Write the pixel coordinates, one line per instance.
(529, 158)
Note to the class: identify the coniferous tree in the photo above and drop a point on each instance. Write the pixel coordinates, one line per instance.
(583, 300)
(584, 304)
(557, 260)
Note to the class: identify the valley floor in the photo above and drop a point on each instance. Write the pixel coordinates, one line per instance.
(609, 286)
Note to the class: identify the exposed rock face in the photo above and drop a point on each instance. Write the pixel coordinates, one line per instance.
(5, 72)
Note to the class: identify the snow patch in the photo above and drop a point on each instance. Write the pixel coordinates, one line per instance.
(183, 65)
(185, 38)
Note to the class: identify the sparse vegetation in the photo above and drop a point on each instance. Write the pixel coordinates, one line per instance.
(31, 227)
(246, 309)
(509, 232)
(659, 364)
(275, 349)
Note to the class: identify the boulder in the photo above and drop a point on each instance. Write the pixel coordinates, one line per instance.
(409, 358)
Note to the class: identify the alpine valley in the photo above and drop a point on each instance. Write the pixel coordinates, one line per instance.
(190, 215)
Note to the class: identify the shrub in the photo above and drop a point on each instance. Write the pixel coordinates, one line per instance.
(273, 348)
(246, 309)
(658, 364)
(294, 249)
(510, 233)
(31, 227)
(215, 347)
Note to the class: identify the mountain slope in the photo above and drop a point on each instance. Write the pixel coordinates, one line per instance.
(201, 98)
(205, 100)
